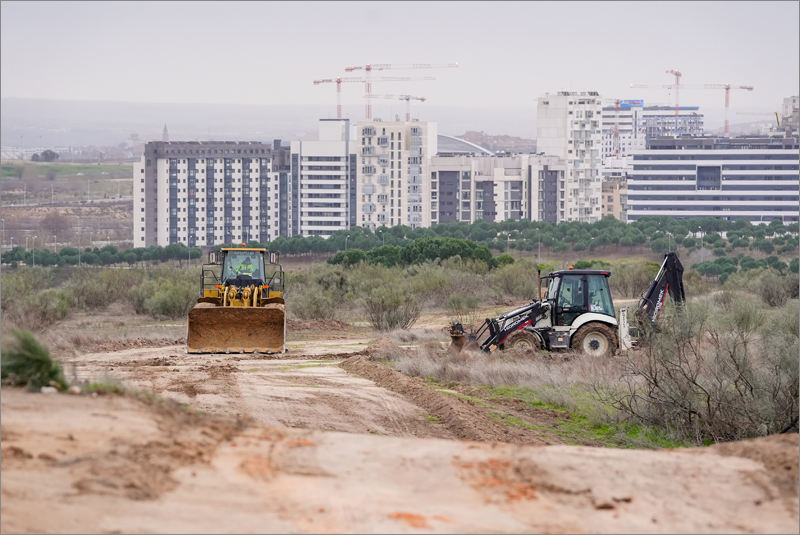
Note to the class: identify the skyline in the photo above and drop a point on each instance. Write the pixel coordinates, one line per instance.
(509, 53)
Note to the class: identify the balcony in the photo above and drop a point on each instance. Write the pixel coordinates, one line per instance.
(368, 131)
(414, 198)
(415, 151)
(383, 141)
(383, 161)
(415, 218)
(383, 199)
(368, 151)
(368, 189)
(416, 131)
(368, 169)
(415, 179)
(368, 208)
(383, 179)
(381, 217)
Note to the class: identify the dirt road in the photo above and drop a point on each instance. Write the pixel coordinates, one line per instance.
(115, 464)
(324, 440)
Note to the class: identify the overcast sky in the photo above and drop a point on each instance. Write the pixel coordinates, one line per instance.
(508, 52)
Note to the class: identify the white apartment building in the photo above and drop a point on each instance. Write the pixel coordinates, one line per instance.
(392, 160)
(323, 175)
(752, 177)
(569, 127)
(205, 193)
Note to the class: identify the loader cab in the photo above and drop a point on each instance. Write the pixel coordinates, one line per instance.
(243, 267)
(574, 292)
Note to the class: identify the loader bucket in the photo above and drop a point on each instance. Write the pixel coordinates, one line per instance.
(216, 329)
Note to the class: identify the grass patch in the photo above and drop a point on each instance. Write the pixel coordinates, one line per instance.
(433, 419)
(581, 428)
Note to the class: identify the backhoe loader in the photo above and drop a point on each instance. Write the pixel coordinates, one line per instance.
(576, 313)
(242, 310)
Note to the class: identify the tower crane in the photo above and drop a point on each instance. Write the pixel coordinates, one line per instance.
(369, 67)
(616, 103)
(676, 87)
(339, 81)
(775, 113)
(407, 98)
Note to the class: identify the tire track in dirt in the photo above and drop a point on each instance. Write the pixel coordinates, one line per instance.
(462, 417)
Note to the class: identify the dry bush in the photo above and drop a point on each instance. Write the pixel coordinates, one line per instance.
(775, 289)
(713, 374)
(95, 289)
(391, 308)
(517, 280)
(632, 280)
(564, 379)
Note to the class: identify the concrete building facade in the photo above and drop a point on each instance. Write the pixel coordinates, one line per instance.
(569, 127)
(752, 177)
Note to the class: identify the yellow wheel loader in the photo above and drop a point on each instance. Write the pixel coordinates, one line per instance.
(241, 310)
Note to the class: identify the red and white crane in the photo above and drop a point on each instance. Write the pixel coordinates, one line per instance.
(369, 67)
(407, 98)
(339, 81)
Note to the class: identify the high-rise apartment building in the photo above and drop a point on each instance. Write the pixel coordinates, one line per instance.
(323, 177)
(752, 177)
(205, 193)
(569, 127)
(392, 161)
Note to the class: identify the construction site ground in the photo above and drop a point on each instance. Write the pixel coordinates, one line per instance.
(323, 439)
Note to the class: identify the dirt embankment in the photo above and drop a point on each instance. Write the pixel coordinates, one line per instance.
(132, 464)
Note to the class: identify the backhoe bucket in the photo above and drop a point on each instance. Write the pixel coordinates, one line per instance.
(460, 341)
(217, 329)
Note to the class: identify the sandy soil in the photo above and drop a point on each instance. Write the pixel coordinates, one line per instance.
(323, 439)
(113, 464)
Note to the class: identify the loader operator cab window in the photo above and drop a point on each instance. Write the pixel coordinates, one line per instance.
(571, 300)
(600, 295)
(247, 265)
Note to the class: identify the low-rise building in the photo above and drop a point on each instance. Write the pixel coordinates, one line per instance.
(752, 177)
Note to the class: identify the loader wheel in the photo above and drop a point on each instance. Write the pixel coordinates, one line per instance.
(595, 340)
(522, 340)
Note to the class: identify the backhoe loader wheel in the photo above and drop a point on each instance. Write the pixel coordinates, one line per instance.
(522, 340)
(595, 340)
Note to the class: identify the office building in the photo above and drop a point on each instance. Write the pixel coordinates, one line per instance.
(752, 177)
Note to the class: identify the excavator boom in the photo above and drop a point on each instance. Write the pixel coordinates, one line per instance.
(668, 281)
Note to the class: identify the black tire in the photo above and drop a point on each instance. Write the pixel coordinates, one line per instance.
(595, 340)
(522, 339)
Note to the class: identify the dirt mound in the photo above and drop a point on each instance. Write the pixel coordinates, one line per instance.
(382, 349)
(461, 416)
(120, 345)
(778, 453)
(296, 324)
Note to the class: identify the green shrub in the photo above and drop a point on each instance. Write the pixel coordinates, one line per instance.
(504, 260)
(25, 361)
